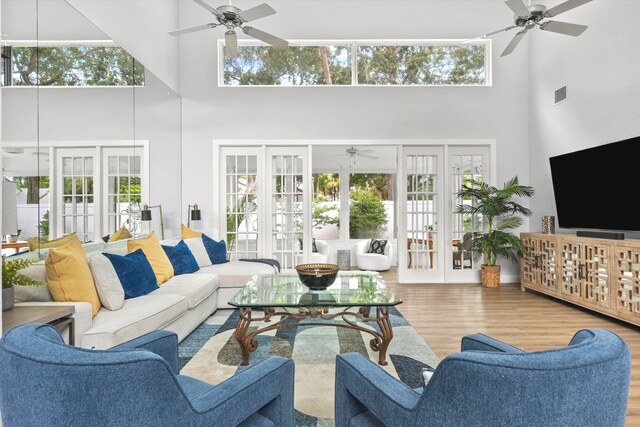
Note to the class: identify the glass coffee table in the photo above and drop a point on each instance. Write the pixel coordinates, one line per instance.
(283, 297)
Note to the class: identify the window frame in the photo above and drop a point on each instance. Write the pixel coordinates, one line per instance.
(355, 43)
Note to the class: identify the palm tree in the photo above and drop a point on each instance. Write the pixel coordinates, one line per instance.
(500, 214)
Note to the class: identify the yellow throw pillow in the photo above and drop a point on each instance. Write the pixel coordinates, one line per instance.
(121, 234)
(156, 256)
(34, 245)
(69, 277)
(188, 233)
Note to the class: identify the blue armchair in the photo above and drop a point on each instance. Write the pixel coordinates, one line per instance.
(45, 382)
(491, 383)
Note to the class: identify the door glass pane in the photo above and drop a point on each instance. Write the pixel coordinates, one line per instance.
(124, 192)
(464, 168)
(422, 214)
(77, 196)
(287, 208)
(241, 198)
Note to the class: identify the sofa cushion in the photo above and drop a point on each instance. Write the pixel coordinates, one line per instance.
(236, 274)
(217, 251)
(137, 317)
(134, 273)
(34, 245)
(107, 283)
(194, 287)
(181, 258)
(118, 248)
(196, 246)
(69, 276)
(33, 293)
(158, 259)
(188, 233)
(121, 234)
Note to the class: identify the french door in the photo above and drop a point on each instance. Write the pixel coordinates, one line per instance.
(465, 163)
(421, 235)
(265, 202)
(433, 238)
(97, 191)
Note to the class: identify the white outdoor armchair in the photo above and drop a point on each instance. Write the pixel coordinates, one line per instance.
(373, 262)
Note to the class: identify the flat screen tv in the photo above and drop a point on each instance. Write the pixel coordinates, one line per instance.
(598, 188)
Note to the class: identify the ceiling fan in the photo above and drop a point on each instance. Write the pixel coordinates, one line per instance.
(233, 18)
(353, 152)
(529, 17)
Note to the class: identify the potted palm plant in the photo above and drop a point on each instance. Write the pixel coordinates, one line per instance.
(500, 214)
(11, 278)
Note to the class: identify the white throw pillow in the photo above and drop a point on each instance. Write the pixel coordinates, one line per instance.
(105, 278)
(196, 246)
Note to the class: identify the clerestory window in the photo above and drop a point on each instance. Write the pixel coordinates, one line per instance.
(359, 63)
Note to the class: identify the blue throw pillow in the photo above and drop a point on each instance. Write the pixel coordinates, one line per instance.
(217, 251)
(181, 258)
(135, 273)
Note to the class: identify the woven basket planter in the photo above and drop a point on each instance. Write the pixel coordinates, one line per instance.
(490, 276)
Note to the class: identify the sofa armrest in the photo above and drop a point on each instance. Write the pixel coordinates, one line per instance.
(266, 388)
(481, 342)
(82, 317)
(161, 342)
(362, 385)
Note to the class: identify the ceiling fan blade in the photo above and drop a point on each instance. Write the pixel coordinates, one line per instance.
(563, 28)
(519, 8)
(365, 151)
(231, 44)
(563, 7)
(514, 43)
(209, 8)
(260, 11)
(367, 156)
(192, 29)
(484, 36)
(265, 37)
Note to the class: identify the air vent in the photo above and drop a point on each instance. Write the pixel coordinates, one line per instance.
(561, 95)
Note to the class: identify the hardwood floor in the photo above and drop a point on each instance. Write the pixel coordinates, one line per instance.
(443, 313)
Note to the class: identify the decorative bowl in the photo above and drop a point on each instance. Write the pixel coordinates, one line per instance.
(317, 277)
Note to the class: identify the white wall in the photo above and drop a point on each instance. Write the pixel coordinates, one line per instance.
(211, 113)
(600, 69)
(87, 115)
(141, 28)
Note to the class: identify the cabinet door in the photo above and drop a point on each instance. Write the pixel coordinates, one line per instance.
(570, 269)
(626, 281)
(548, 268)
(529, 267)
(595, 274)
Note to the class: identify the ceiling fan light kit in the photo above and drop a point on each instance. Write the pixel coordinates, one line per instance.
(233, 18)
(529, 17)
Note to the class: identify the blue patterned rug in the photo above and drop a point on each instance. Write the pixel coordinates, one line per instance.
(212, 354)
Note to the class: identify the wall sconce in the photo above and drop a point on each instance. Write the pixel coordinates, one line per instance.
(193, 214)
(145, 215)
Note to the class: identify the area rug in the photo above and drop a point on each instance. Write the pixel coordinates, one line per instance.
(211, 353)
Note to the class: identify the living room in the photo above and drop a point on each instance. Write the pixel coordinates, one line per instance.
(199, 148)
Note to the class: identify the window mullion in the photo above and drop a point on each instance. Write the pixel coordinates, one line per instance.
(354, 63)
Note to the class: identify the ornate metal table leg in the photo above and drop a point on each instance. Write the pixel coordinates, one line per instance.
(382, 318)
(247, 344)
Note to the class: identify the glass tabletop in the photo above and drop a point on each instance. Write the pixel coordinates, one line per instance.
(286, 290)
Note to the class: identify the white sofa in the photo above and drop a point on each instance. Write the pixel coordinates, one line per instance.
(179, 305)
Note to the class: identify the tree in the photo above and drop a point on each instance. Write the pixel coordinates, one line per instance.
(295, 66)
(367, 215)
(75, 66)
